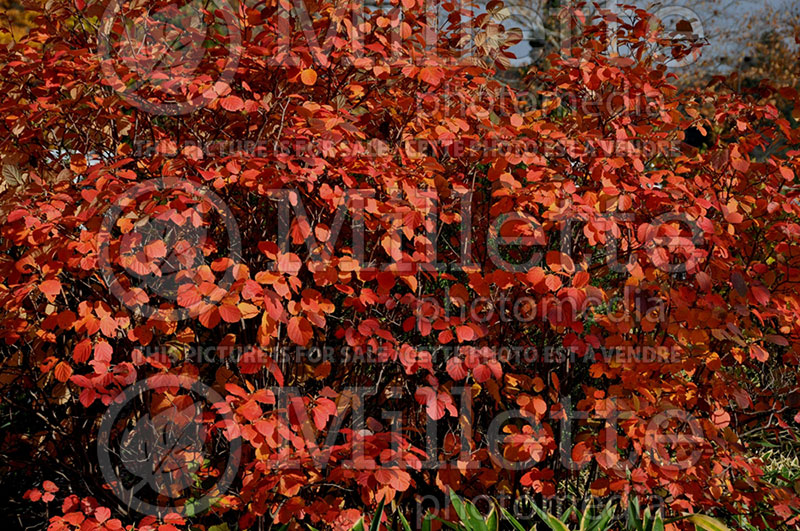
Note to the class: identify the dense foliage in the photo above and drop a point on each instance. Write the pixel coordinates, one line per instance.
(389, 274)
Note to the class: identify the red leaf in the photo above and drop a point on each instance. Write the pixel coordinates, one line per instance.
(465, 333)
(102, 514)
(445, 336)
(721, 418)
(324, 410)
(232, 103)
(188, 295)
(108, 326)
(761, 294)
(786, 173)
(581, 453)
(552, 282)
(431, 74)
(607, 458)
(436, 404)
(229, 313)
(558, 261)
(777, 340)
(74, 518)
(482, 373)
(63, 371)
(82, 351)
(758, 353)
(51, 288)
(250, 410)
(156, 249)
(193, 152)
(539, 406)
(457, 369)
(87, 396)
(396, 478)
(210, 317)
(103, 351)
(386, 280)
(299, 330)
(581, 279)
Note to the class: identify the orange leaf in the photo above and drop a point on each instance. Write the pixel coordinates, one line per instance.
(299, 330)
(156, 249)
(210, 318)
(553, 282)
(558, 261)
(581, 279)
(77, 163)
(720, 418)
(248, 310)
(431, 74)
(50, 288)
(308, 76)
(229, 313)
(63, 371)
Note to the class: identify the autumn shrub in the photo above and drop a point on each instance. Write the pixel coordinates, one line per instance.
(272, 263)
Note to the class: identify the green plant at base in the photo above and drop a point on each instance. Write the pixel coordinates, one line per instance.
(588, 521)
(706, 523)
(470, 517)
(643, 521)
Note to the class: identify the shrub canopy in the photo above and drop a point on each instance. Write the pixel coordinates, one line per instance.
(318, 220)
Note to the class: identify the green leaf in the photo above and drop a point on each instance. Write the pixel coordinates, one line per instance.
(647, 525)
(587, 516)
(458, 505)
(492, 521)
(658, 522)
(552, 522)
(514, 522)
(359, 526)
(426, 523)
(633, 516)
(376, 520)
(706, 523)
(603, 518)
(476, 521)
(450, 525)
(404, 521)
